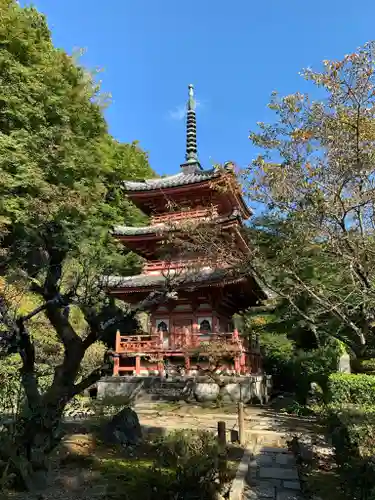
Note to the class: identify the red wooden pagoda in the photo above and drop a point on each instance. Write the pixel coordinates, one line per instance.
(206, 300)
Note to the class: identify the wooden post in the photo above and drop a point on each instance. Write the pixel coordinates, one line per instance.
(243, 363)
(137, 365)
(241, 422)
(118, 341)
(221, 435)
(116, 365)
(222, 442)
(237, 365)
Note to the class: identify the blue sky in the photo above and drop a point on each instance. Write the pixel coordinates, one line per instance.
(235, 53)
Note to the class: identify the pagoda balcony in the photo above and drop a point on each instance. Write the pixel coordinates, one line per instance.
(175, 341)
(204, 213)
(160, 265)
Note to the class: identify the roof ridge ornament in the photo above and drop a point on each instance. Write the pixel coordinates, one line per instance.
(191, 164)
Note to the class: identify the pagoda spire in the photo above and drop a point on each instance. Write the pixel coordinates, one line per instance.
(191, 156)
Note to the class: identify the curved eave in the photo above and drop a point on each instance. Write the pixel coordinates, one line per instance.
(158, 191)
(246, 212)
(156, 233)
(185, 286)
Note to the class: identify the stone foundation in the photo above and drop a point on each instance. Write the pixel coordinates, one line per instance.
(252, 388)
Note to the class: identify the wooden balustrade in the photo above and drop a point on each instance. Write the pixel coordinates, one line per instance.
(184, 215)
(159, 265)
(176, 340)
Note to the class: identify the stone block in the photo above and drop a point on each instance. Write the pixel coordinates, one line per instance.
(278, 473)
(265, 459)
(288, 495)
(262, 491)
(273, 449)
(284, 459)
(344, 363)
(251, 476)
(204, 392)
(292, 485)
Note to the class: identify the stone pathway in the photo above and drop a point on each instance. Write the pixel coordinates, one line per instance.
(272, 474)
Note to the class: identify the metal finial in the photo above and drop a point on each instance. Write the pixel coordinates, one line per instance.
(191, 157)
(191, 101)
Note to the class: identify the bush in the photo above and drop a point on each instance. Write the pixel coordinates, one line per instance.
(182, 445)
(294, 370)
(277, 353)
(186, 468)
(365, 365)
(346, 388)
(353, 437)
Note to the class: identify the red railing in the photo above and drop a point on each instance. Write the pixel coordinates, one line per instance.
(159, 265)
(175, 340)
(183, 215)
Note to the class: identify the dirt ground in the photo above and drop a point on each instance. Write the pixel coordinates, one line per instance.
(79, 464)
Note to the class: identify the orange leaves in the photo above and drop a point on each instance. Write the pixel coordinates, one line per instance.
(301, 135)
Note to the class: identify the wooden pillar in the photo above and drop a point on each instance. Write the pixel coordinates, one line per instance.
(116, 365)
(137, 365)
(237, 365)
(160, 368)
(118, 341)
(243, 363)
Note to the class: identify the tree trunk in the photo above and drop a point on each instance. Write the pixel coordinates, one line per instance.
(35, 436)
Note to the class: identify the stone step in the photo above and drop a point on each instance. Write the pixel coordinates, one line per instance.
(272, 473)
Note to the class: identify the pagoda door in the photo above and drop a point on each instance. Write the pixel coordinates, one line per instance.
(182, 329)
(163, 331)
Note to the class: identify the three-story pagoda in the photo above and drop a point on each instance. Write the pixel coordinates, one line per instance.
(208, 296)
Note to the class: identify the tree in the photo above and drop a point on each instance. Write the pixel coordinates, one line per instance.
(314, 242)
(60, 193)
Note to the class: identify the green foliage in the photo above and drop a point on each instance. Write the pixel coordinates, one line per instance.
(345, 388)
(11, 393)
(365, 365)
(313, 242)
(293, 369)
(352, 432)
(186, 467)
(278, 351)
(61, 177)
(60, 170)
(61, 173)
(180, 446)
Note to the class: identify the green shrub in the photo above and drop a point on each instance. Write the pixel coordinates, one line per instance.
(277, 353)
(186, 468)
(294, 370)
(352, 432)
(365, 365)
(346, 388)
(182, 445)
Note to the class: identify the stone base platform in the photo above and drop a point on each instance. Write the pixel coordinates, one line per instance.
(251, 388)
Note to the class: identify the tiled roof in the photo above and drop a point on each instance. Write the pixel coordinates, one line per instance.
(180, 179)
(130, 231)
(149, 280)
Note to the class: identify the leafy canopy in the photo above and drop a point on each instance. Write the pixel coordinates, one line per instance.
(315, 181)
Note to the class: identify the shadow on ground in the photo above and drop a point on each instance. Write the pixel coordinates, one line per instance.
(84, 467)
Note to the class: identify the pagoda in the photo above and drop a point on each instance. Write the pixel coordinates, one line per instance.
(207, 298)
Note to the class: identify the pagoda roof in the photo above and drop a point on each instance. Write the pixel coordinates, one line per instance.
(201, 277)
(183, 178)
(161, 227)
